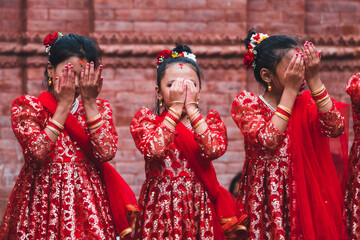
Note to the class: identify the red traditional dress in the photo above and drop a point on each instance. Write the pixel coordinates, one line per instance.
(352, 187)
(289, 185)
(60, 193)
(173, 199)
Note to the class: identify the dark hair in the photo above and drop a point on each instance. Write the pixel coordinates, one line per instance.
(170, 60)
(270, 52)
(73, 45)
(233, 182)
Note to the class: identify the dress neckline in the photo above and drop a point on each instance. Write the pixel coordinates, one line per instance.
(266, 103)
(75, 106)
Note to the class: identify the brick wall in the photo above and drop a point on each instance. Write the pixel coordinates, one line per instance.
(132, 32)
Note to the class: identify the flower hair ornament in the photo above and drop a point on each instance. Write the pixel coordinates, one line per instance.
(50, 39)
(168, 53)
(250, 55)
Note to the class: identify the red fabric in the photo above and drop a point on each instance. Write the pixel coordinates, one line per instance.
(318, 192)
(119, 193)
(224, 201)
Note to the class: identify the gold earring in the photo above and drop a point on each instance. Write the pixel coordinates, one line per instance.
(161, 104)
(269, 87)
(50, 81)
(197, 103)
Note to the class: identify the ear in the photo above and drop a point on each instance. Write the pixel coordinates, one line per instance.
(266, 75)
(158, 93)
(50, 69)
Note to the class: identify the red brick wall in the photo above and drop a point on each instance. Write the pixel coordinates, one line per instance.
(132, 32)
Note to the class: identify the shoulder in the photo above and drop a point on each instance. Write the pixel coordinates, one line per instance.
(27, 101)
(213, 114)
(144, 112)
(246, 98)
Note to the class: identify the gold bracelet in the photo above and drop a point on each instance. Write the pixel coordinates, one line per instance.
(175, 112)
(194, 117)
(198, 124)
(94, 118)
(326, 102)
(170, 121)
(285, 109)
(53, 130)
(96, 125)
(192, 114)
(282, 116)
(318, 91)
(191, 103)
(177, 102)
(56, 123)
(322, 99)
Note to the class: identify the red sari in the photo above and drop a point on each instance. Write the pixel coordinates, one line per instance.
(290, 186)
(181, 197)
(60, 192)
(352, 186)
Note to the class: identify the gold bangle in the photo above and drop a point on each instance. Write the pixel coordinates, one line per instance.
(172, 122)
(191, 103)
(56, 123)
(175, 112)
(53, 130)
(94, 118)
(322, 99)
(285, 109)
(282, 116)
(198, 124)
(326, 102)
(194, 117)
(177, 102)
(96, 125)
(192, 114)
(318, 91)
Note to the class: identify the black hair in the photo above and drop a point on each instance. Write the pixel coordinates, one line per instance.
(73, 45)
(269, 52)
(233, 182)
(168, 61)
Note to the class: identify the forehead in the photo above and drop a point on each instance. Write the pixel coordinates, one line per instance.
(285, 61)
(180, 70)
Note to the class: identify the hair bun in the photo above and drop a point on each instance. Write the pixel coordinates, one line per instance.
(248, 39)
(182, 48)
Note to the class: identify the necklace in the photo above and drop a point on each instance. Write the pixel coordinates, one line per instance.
(266, 103)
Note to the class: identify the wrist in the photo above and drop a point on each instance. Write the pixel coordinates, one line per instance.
(314, 83)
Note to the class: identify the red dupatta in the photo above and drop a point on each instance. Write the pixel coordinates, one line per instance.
(229, 222)
(318, 193)
(122, 199)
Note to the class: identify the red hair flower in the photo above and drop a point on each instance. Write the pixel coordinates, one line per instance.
(249, 59)
(163, 55)
(50, 39)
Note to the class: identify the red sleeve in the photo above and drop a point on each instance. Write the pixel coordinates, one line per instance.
(28, 120)
(213, 142)
(153, 139)
(104, 140)
(256, 128)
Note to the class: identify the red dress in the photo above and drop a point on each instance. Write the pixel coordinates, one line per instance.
(173, 201)
(352, 186)
(59, 193)
(268, 187)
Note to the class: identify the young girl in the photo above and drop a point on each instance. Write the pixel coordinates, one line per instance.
(352, 187)
(289, 184)
(60, 191)
(177, 198)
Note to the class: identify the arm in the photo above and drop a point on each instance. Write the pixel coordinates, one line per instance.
(28, 123)
(256, 129)
(153, 139)
(213, 141)
(332, 122)
(104, 139)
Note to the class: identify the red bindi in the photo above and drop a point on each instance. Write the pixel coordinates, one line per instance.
(81, 62)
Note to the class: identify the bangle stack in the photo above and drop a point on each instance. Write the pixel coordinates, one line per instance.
(321, 97)
(173, 117)
(196, 119)
(283, 112)
(55, 127)
(95, 122)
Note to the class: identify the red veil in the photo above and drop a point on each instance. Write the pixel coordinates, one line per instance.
(318, 193)
(122, 199)
(229, 222)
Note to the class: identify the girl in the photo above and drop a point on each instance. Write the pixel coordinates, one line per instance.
(289, 185)
(352, 186)
(178, 146)
(60, 191)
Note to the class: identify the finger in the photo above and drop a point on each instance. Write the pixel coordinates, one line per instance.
(92, 72)
(82, 77)
(319, 53)
(98, 75)
(63, 81)
(71, 76)
(100, 83)
(86, 74)
(57, 85)
(292, 62)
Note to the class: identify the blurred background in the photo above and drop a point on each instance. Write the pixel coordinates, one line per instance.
(132, 32)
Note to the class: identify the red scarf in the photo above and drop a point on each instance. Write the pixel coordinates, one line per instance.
(229, 222)
(318, 192)
(122, 199)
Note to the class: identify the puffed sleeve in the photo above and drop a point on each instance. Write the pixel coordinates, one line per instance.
(153, 139)
(104, 139)
(213, 142)
(257, 130)
(353, 89)
(28, 120)
(332, 122)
